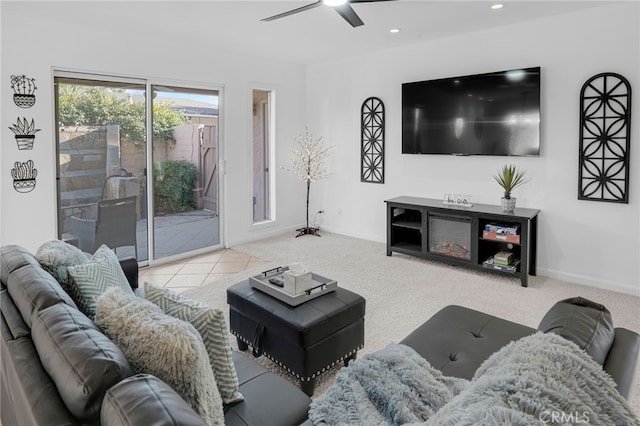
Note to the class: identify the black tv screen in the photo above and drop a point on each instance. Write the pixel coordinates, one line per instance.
(485, 114)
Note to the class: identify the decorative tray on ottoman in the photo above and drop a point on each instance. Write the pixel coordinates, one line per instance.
(320, 285)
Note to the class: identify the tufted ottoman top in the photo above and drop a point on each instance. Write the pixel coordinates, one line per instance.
(302, 325)
(456, 340)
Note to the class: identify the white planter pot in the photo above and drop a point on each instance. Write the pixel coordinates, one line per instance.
(508, 204)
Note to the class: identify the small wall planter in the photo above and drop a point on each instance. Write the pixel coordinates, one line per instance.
(24, 176)
(23, 88)
(25, 142)
(25, 132)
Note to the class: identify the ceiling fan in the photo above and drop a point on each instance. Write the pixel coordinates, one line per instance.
(343, 7)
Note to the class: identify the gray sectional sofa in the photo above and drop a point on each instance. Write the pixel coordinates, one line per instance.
(457, 340)
(59, 369)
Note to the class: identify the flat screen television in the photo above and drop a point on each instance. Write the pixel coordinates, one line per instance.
(496, 113)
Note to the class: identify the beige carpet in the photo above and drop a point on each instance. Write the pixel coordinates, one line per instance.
(403, 291)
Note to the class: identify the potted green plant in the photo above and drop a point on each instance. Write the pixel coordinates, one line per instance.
(509, 178)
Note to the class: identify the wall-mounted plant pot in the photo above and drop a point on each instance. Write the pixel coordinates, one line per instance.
(508, 204)
(24, 185)
(25, 141)
(24, 101)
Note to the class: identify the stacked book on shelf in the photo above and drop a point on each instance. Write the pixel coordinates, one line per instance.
(502, 261)
(506, 233)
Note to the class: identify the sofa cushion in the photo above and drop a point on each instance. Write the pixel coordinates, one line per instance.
(81, 360)
(213, 329)
(91, 279)
(586, 323)
(144, 399)
(13, 257)
(14, 326)
(264, 393)
(56, 256)
(166, 347)
(29, 396)
(33, 289)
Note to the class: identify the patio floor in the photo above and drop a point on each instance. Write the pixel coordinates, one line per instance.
(177, 233)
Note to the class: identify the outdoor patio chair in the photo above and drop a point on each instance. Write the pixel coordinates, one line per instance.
(115, 226)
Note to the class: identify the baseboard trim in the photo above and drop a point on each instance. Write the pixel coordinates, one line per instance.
(589, 281)
(262, 234)
(340, 231)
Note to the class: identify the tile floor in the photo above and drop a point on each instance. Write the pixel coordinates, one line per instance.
(199, 270)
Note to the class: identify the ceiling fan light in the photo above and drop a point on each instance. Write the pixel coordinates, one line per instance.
(334, 3)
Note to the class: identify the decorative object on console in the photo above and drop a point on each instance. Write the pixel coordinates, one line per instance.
(24, 176)
(25, 133)
(457, 200)
(372, 141)
(605, 130)
(23, 90)
(309, 165)
(509, 178)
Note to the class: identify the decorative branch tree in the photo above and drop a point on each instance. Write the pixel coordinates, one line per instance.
(309, 165)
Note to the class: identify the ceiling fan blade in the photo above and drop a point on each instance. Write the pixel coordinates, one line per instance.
(294, 11)
(349, 15)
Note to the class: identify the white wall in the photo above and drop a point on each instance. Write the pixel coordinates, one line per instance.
(592, 243)
(48, 39)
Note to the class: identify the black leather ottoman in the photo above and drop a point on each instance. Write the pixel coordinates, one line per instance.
(306, 339)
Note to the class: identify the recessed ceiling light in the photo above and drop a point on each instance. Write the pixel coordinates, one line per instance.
(334, 2)
(394, 30)
(497, 6)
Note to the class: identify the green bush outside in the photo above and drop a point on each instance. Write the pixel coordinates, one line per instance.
(174, 183)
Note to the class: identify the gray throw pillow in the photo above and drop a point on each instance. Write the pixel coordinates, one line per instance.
(91, 279)
(166, 347)
(212, 326)
(56, 256)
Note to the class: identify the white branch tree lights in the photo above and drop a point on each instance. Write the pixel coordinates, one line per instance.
(309, 165)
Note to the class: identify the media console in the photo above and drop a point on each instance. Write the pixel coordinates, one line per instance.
(480, 237)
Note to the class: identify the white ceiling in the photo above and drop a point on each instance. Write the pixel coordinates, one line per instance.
(316, 35)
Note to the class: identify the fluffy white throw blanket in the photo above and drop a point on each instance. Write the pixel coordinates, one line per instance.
(540, 379)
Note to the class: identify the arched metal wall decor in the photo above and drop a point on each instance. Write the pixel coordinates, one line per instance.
(605, 128)
(372, 141)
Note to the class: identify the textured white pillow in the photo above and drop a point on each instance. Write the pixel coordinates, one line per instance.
(89, 280)
(212, 326)
(166, 347)
(56, 256)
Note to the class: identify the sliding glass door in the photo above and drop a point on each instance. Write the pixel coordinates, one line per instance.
(112, 185)
(185, 170)
(102, 153)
